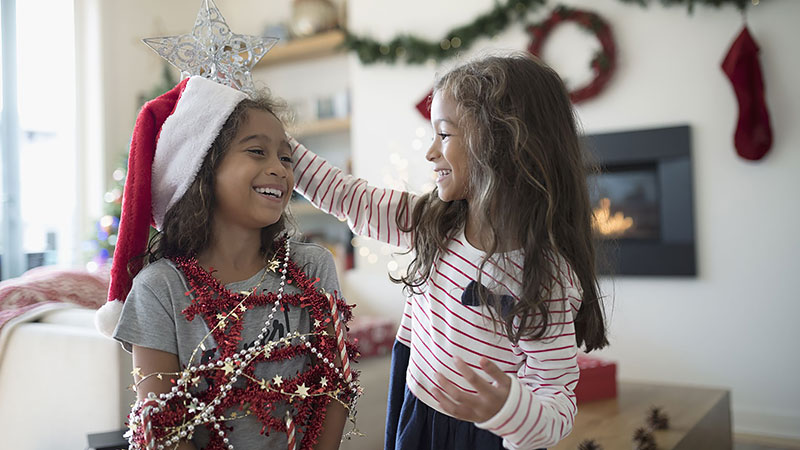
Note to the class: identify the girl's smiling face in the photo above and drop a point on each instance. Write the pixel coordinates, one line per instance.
(254, 180)
(448, 151)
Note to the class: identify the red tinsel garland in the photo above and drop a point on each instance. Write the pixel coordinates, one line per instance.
(215, 304)
(604, 61)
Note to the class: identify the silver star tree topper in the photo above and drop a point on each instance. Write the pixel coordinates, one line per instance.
(213, 51)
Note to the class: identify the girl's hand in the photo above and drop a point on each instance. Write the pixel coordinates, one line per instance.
(478, 407)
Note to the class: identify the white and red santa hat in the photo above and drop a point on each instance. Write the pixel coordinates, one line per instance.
(171, 137)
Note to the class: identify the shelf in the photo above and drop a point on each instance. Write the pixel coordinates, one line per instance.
(324, 126)
(323, 44)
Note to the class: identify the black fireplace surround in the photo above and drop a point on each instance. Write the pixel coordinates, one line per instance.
(642, 195)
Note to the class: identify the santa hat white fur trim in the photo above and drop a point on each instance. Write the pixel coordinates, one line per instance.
(106, 318)
(186, 136)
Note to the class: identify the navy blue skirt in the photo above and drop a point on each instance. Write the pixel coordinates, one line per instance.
(413, 425)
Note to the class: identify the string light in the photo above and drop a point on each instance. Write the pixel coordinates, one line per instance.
(106, 221)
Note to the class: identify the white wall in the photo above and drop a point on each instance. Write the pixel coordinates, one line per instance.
(732, 326)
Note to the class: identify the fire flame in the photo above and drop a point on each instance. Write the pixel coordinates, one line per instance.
(608, 225)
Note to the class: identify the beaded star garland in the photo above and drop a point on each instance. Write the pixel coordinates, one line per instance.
(162, 421)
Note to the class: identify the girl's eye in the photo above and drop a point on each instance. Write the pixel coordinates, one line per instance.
(256, 151)
(444, 135)
(286, 159)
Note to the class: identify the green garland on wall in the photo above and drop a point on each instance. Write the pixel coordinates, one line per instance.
(741, 4)
(415, 50)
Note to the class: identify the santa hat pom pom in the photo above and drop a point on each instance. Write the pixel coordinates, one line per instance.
(106, 318)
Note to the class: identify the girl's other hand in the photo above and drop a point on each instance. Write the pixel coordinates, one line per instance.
(478, 407)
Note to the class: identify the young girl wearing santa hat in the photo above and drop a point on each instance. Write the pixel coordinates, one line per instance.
(232, 325)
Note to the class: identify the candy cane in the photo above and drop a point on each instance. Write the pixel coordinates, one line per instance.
(337, 324)
(290, 431)
(147, 423)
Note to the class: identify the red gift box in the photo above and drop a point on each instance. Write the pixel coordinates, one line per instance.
(598, 379)
(374, 335)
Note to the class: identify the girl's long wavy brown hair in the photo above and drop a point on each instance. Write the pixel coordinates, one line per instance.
(187, 224)
(528, 185)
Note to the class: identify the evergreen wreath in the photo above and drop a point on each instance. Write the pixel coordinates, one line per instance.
(604, 61)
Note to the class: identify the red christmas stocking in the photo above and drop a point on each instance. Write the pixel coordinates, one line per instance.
(753, 137)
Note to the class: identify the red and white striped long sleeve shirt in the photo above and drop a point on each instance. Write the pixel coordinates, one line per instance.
(437, 326)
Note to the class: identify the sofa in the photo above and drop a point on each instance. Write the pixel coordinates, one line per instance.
(59, 380)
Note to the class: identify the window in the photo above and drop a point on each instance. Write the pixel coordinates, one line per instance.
(44, 186)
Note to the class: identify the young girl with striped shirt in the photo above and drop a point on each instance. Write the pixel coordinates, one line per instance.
(501, 291)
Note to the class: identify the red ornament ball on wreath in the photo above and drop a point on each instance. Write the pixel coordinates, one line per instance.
(604, 61)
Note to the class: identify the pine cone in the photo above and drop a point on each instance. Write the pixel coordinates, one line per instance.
(656, 419)
(643, 436)
(589, 444)
(649, 445)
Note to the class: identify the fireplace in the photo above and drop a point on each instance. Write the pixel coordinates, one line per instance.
(642, 201)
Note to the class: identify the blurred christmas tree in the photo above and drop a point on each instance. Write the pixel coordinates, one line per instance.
(105, 230)
(104, 234)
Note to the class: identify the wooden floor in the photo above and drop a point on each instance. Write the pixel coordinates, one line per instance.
(749, 446)
(751, 442)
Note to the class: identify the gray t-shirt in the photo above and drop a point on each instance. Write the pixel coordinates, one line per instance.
(152, 317)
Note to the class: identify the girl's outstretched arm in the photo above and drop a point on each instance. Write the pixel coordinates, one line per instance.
(370, 211)
(147, 361)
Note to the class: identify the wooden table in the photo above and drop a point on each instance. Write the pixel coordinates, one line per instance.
(699, 418)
